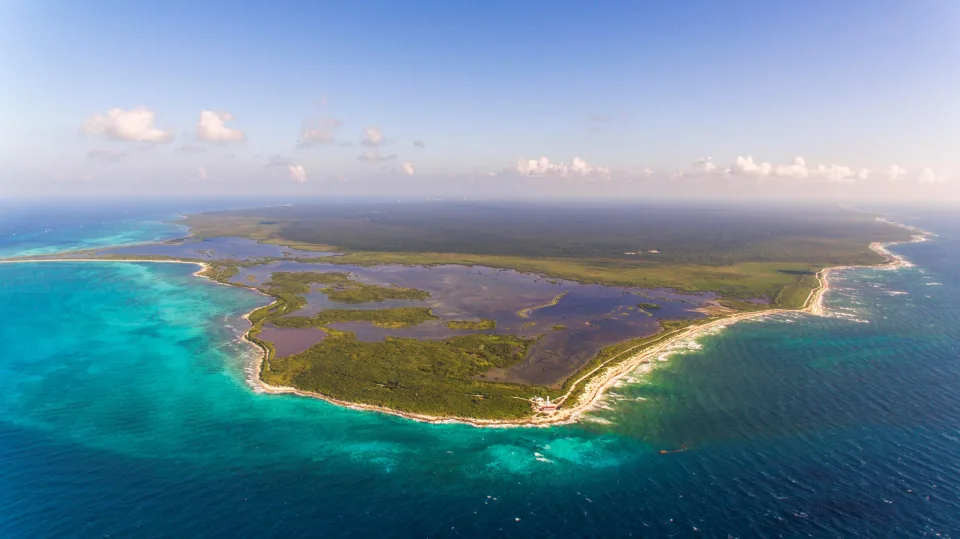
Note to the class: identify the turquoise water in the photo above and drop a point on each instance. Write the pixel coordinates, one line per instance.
(125, 412)
(32, 230)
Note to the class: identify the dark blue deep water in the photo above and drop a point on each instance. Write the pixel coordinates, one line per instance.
(124, 412)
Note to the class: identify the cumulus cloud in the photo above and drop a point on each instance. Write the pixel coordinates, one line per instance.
(927, 176)
(373, 156)
(298, 173)
(372, 136)
(212, 128)
(131, 125)
(106, 154)
(407, 168)
(796, 169)
(581, 167)
(419, 144)
(746, 165)
(836, 173)
(201, 173)
(705, 164)
(543, 166)
(323, 131)
(896, 172)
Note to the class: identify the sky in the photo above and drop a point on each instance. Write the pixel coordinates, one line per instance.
(741, 99)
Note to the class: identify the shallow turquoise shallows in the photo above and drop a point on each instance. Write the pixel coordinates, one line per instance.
(125, 411)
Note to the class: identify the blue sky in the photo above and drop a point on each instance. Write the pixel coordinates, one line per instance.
(641, 94)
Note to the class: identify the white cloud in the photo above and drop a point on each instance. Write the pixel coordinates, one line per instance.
(371, 137)
(746, 165)
(581, 167)
(542, 166)
(212, 129)
(202, 173)
(106, 154)
(322, 132)
(298, 173)
(648, 171)
(836, 173)
(796, 169)
(928, 176)
(535, 166)
(408, 168)
(373, 156)
(705, 164)
(419, 144)
(132, 125)
(896, 172)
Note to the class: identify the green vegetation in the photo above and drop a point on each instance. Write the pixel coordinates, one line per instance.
(474, 325)
(398, 317)
(742, 281)
(341, 288)
(419, 376)
(794, 295)
(741, 305)
(739, 253)
(558, 327)
(354, 292)
(742, 254)
(525, 313)
(220, 272)
(292, 286)
(668, 329)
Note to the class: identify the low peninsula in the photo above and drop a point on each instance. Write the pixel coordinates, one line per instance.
(445, 315)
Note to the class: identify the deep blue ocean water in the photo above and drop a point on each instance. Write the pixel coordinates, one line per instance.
(124, 412)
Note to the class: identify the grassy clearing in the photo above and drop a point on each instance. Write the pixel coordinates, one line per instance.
(794, 295)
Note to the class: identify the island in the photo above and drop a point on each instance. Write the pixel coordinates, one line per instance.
(503, 314)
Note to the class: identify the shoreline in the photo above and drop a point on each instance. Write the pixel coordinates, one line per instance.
(597, 382)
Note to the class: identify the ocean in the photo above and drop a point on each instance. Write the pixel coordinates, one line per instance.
(125, 412)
